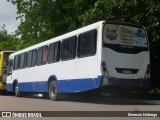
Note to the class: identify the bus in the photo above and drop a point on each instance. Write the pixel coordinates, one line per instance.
(104, 53)
(4, 56)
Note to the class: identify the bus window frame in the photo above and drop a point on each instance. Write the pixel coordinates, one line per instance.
(95, 35)
(10, 67)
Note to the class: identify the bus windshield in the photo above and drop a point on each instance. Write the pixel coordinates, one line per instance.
(5, 58)
(124, 36)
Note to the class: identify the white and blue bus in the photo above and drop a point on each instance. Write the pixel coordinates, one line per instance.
(100, 54)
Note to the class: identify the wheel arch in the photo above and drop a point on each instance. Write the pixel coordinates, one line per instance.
(14, 83)
(52, 78)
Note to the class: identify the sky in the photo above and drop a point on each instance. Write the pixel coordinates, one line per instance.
(8, 16)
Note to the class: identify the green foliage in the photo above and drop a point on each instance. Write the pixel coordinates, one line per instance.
(8, 41)
(45, 19)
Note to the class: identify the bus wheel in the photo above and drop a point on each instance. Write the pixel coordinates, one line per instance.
(53, 94)
(16, 91)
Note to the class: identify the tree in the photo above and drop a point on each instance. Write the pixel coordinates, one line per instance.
(8, 41)
(40, 20)
(45, 19)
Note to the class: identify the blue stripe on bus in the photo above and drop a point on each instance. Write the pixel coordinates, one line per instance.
(41, 86)
(78, 85)
(67, 86)
(9, 87)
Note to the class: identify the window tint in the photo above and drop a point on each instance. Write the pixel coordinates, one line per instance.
(45, 55)
(54, 52)
(87, 43)
(39, 56)
(34, 57)
(51, 53)
(29, 59)
(25, 58)
(10, 67)
(22, 61)
(42, 55)
(16, 62)
(68, 48)
(57, 46)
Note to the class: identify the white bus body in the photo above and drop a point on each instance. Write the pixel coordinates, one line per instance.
(103, 53)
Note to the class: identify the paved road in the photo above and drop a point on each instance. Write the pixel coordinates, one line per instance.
(74, 103)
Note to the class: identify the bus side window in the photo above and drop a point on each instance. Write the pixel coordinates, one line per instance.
(29, 59)
(5, 59)
(22, 61)
(68, 48)
(54, 52)
(87, 43)
(16, 62)
(25, 58)
(51, 53)
(45, 55)
(57, 51)
(42, 55)
(10, 67)
(34, 57)
(39, 56)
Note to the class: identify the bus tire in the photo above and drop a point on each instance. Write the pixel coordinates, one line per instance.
(16, 91)
(53, 93)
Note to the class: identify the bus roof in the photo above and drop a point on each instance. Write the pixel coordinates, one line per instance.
(61, 37)
(6, 51)
(70, 34)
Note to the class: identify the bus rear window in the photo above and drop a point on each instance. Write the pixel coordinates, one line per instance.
(124, 35)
